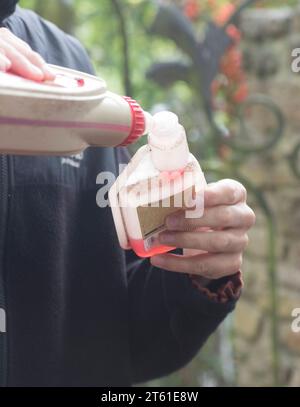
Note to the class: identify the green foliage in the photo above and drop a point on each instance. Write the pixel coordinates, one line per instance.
(98, 29)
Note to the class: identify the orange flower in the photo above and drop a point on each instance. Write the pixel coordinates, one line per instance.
(224, 14)
(231, 64)
(241, 93)
(234, 33)
(192, 9)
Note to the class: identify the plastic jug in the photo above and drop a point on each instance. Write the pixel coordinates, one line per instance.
(65, 116)
(163, 177)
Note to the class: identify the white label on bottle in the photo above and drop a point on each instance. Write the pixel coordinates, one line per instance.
(149, 243)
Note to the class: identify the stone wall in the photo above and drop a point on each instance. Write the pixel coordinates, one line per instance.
(269, 37)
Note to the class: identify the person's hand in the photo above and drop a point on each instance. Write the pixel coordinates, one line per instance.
(227, 218)
(17, 57)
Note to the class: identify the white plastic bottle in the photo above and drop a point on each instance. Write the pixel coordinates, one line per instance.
(163, 177)
(66, 115)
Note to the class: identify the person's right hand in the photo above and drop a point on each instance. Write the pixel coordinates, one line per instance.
(17, 57)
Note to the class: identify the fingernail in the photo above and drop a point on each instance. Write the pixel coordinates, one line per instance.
(49, 74)
(37, 71)
(167, 238)
(172, 222)
(157, 261)
(236, 195)
(7, 64)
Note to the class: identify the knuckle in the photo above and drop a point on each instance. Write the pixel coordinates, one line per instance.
(12, 51)
(25, 45)
(224, 216)
(235, 190)
(36, 56)
(15, 55)
(213, 194)
(250, 217)
(238, 184)
(231, 193)
(221, 242)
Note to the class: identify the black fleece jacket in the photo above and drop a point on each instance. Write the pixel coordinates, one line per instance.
(79, 310)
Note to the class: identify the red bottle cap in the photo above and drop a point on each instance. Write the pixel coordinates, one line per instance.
(138, 122)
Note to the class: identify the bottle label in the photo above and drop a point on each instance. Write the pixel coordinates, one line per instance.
(149, 243)
(152, 217)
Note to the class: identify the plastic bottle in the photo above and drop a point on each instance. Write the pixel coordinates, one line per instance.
(163, 177)
(65, 116)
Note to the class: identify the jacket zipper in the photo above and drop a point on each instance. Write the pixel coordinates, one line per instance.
(3, 223)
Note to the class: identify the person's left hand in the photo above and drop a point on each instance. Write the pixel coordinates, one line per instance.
(228, 218)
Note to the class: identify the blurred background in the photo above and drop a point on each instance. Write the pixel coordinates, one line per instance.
(225, 67)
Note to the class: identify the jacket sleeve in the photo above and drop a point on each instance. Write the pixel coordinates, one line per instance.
(170, 317)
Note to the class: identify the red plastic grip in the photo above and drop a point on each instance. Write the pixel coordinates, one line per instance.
(138, 122)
